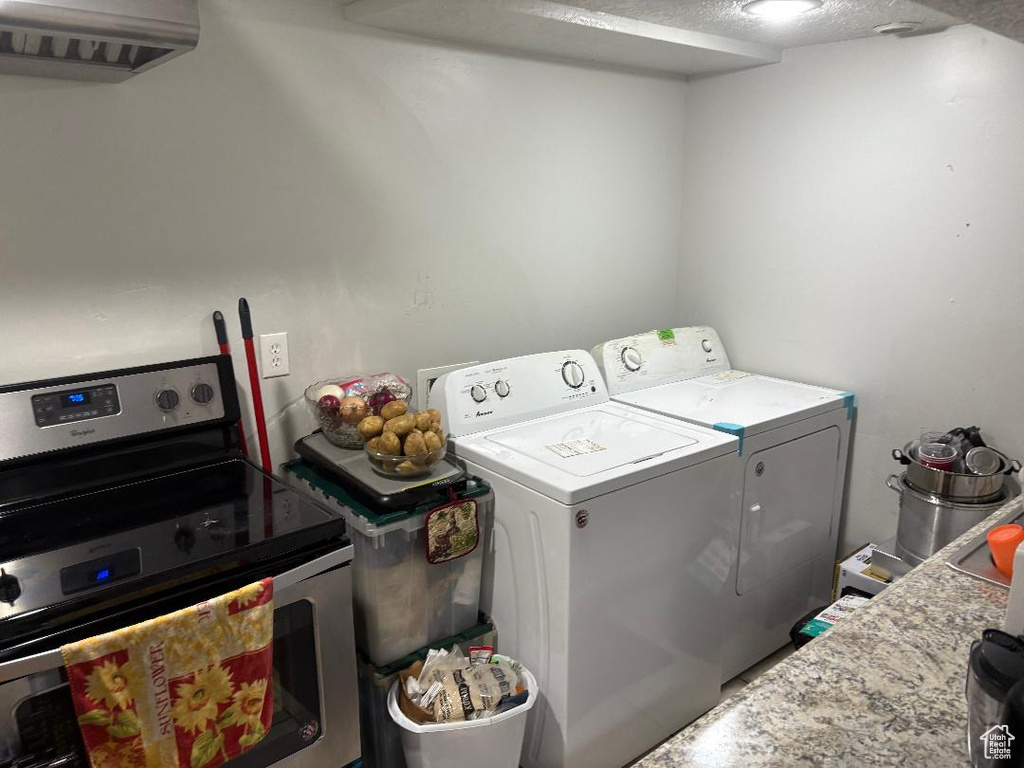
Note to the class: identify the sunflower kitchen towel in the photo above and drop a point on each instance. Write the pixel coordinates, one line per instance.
(190, 689)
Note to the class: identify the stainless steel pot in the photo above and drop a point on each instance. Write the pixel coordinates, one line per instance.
(928, 522)
(955, 486)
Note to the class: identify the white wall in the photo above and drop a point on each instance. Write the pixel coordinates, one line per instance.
(389, 204)
(393, 204)
(854, 217)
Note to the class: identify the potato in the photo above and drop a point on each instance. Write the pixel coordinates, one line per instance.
(371, 426)
(435, 427)
(394, 409)
(373, 444)
(400, 425)
(423, 421)
(435, 415)
(432, 440)
(415, 445)
(389, 444)
(408, 468)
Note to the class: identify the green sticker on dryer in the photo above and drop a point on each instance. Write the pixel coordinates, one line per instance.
(667, 336)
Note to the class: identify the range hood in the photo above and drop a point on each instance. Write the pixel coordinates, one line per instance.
(106, 40)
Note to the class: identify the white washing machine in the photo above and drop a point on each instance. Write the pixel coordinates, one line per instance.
(610, 553)
(794, 440)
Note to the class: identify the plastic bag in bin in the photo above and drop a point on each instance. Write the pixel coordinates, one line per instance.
(450, 687)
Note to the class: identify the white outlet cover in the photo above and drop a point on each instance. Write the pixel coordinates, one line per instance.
(274, 355)
(425, 378)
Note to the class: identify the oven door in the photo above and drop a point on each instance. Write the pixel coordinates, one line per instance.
(316, 719)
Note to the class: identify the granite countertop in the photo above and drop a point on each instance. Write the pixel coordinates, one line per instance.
(884, 687)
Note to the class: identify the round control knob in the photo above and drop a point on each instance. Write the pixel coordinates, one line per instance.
(10, 589)
(706, 344)
(501, 388)
(631, 359)
(167, 400)
(202, 393)
(573, 375)
(478, 393)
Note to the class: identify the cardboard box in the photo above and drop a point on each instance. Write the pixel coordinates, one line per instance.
(854, 575)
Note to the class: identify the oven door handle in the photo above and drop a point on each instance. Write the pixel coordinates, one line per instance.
(283, 585)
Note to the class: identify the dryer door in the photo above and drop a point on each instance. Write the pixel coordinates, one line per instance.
(788, 490)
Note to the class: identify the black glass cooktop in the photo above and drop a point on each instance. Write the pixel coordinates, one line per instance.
(115, 544)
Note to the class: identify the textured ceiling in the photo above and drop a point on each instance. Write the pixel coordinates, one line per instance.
(1006, 17)
(685, 37)
(836, 20)
(538, 27)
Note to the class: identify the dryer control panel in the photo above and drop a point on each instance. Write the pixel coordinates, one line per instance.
(517, 389)
(660, 357)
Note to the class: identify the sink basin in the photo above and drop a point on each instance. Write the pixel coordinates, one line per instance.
(974, 558)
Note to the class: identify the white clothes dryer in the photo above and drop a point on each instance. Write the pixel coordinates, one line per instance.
(794, 440)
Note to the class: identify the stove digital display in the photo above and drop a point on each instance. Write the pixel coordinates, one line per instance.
(71, 405)
(75, 399)
(101, 571)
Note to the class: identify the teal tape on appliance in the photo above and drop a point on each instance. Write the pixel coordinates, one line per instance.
(848, 401)
(732, 429)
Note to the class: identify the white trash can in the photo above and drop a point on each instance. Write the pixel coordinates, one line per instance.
(496, 742)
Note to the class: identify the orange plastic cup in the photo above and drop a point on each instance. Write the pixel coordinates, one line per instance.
(1003, 541)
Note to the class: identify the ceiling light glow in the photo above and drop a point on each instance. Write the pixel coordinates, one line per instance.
(781, 9)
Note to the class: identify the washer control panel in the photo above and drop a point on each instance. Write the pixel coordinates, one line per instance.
(660, 357)
(514, 390)
(74, 411)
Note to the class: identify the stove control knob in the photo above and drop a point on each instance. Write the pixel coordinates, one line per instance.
(573, 374)
(501, 388)
(478, 393)
(167, 400)
(202, 393)
(706, 345)
(10, 589)
(631, 359)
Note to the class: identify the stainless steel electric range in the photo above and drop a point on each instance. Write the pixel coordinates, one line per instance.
(124, 496)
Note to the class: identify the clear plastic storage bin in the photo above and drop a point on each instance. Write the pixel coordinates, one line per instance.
(402, 602)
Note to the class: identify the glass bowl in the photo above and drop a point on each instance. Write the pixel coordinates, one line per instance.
(407, 466)
(365, 386)
(335, 430)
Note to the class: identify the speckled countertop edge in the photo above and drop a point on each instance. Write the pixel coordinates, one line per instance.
(884, 687)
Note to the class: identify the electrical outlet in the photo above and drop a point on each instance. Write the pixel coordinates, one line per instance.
(425, 378)
(274, 355)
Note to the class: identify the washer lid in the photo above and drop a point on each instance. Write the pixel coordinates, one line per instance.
(586, 453)
(756, 403)
(591, 441)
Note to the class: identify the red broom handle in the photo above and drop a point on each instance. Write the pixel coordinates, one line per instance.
(254, 384)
